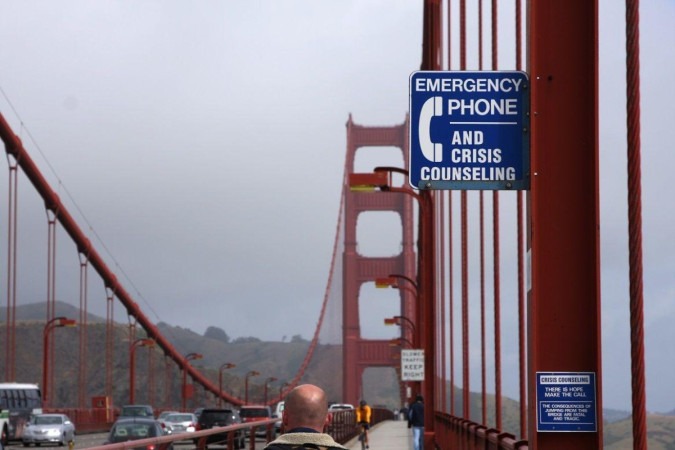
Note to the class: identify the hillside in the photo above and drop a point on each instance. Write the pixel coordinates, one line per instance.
(272, 359)
(660, 433)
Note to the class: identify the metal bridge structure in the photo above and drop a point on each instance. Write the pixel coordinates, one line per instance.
(553, 237)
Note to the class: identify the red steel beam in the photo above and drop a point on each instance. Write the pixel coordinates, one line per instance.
(564, 298)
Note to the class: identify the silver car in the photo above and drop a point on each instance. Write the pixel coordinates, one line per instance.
(162, 419)
(49, 428)
(180, 423)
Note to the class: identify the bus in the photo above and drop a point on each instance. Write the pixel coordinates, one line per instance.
(18, 402)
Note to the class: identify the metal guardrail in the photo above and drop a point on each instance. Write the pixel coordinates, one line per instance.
(457, 432)
(200, 437)
(342, 428)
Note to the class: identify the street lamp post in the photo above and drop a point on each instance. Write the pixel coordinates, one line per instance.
(188, 357)
(142, 342)
(393, 281)
(281, 390)
(56, 322)
(268, 381)
(220, 381)
(396, 320)
(251, 373)
(381, 178)
(426, 276)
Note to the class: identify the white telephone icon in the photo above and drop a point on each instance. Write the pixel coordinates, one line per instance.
(431, 108)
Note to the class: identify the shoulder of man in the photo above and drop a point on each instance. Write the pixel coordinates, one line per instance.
(297, 447)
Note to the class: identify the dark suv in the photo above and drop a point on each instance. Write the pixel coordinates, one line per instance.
(217, 417)
(256, 413)
(137, 411)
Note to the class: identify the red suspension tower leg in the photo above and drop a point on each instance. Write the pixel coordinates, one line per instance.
(564, 300)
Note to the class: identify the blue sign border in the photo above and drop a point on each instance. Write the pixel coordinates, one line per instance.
(569, 405)
(513, 140)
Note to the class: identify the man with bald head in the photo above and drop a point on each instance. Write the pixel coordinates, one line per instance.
(304, 419)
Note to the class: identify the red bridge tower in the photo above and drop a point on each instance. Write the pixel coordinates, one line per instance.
(359, 353)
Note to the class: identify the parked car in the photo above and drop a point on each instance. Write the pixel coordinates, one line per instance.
(220, 417)
(180, 423)
(255, 413)
(133, 429)
(136, 411)
(48, 428)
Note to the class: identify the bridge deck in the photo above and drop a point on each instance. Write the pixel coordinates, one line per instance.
(389, 435)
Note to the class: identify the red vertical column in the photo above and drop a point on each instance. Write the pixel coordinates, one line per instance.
(564, 296)
(431, 60)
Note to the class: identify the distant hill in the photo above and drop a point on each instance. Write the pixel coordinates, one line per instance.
(272, 359)
(38, 312)
(660, 433)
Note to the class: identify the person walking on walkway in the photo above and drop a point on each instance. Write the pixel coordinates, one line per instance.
(305, 418)
(416, 422)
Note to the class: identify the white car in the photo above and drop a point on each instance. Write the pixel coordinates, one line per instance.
(48, 428)
(340, 412)
(340, 407)
(277, 414)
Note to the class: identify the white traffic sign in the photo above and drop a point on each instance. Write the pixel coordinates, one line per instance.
(412, 365)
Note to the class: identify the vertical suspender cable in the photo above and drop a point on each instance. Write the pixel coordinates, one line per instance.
(521, 279)
(451, 298)
(481, 208)
(151, 378)
(635, 221)
(483, 370)
(82, 373)
(51, 295)
(10, 354)
(441, 299)
(440, 265)
(451, 331)
(466, 408)
(109, 341)
(495, 247)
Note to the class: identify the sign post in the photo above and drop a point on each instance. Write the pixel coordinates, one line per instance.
(469, 130)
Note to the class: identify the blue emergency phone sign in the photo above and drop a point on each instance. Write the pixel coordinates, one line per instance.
(566, 402)
(469, 130)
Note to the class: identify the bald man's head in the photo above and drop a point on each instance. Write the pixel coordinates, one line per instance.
(306, 406)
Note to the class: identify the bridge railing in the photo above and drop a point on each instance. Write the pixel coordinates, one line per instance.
(343, 426)
(88, 420)
(457, 432)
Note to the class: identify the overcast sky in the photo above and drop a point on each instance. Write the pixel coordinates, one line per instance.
(201, 147)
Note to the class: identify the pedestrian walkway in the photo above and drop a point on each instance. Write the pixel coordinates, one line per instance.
(388, 435)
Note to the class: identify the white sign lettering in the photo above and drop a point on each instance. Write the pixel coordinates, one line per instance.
(412, 365)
